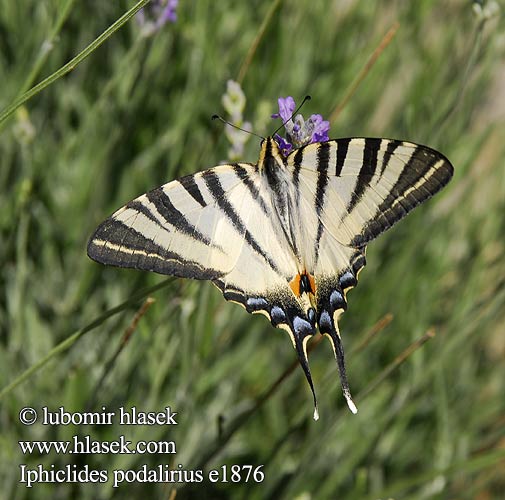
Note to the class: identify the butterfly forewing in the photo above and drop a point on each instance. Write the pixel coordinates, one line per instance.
(170, 230)
(212, 225)
(369, 183)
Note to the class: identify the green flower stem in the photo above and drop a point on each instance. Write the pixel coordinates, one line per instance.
(395, 364)
(481, 461)
(46, 46)
(386, 40)
(69, 341)
(73, 63)
(254, 46)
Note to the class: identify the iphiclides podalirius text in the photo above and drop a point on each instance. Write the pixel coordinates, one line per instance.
(286, 236)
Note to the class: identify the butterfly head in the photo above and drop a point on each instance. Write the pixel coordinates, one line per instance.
(270, 155)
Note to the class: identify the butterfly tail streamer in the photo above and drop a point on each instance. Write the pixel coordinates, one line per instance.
(302, 331)
(336, 342)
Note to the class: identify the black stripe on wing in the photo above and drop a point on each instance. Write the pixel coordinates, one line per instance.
(174, 217)
(342, 148)
(323, 158)
(138, 206)
(418, 181)
(117, 244)
(189, 184)
(390, 149)
(219, 195)
(243, 175)
(367, 171)
(297, 163)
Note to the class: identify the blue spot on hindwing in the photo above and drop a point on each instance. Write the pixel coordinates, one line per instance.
(256, 304)
(302, 326)
(277, 315)
(347, 280)
(325, 323)
(337, 301)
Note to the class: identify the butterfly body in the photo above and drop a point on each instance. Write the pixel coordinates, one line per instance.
(285, 237)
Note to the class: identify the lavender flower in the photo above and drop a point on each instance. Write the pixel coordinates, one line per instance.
(298, 131)
(485, 10)
(234, 103)
(156, 14)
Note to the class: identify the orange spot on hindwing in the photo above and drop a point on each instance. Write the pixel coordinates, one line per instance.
(303, 283)
(295, 285)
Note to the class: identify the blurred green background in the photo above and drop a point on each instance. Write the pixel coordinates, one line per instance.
(135, 114)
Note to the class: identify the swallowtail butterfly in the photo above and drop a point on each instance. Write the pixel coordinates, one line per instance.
(285, 237)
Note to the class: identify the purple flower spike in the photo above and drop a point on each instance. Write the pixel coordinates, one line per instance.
(321, 128)
(298, 131)
(169, 13)
(286, 108)
(156, 14)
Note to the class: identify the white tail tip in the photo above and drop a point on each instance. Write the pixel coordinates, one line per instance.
(352, 406)
(316, 414)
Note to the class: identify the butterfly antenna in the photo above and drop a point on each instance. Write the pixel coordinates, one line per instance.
(305, 99)
(217, 117)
